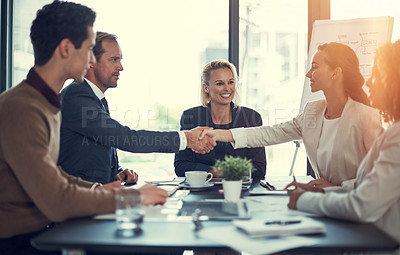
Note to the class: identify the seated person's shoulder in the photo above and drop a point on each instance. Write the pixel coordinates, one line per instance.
(248, 111)
(194, 110)
(74, 88)
(316, 103)
(362, 108)
(193, 117)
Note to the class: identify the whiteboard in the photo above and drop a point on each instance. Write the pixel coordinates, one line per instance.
(363, 35)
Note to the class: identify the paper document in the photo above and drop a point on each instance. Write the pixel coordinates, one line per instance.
(280, 226)
(237, 240)
(174, 181)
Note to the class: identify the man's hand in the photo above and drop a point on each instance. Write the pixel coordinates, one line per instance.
(128, 176)
(151, 194)
(200, 146)
(111, 185)
(294, 196)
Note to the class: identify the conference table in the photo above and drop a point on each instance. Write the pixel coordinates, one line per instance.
(172, 234)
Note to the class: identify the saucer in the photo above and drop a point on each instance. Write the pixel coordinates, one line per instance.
(207, 185)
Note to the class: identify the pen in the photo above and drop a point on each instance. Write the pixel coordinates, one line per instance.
(294, 178)
(267, 185)
(280, 222)
(270, 186)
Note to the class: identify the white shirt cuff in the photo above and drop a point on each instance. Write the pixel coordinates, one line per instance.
(182, 138)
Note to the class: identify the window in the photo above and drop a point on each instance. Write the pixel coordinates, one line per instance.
(24, 13)
(163, 55)
(273, 53)
(165, 44)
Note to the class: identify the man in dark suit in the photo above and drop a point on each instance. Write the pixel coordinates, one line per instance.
(89, 136)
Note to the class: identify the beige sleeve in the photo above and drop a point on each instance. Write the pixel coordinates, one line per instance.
(267, 135)
(30, 142)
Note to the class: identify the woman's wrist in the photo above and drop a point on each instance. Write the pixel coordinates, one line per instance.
(223, 135)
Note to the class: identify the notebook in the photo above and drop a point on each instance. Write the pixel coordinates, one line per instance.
(280, 226)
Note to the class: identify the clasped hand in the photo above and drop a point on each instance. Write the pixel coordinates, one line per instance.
(316, 185)
(204, 145)
(313, 186)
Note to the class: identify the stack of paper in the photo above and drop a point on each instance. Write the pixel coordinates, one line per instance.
(280, 226)
(241, 242)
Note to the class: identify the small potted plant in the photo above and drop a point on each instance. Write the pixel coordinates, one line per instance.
(233, 170)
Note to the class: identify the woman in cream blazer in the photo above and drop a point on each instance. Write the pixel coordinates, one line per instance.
(357, 129)
(376, 196)
(337, 132)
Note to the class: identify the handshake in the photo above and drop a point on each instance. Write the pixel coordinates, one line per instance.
(203, 139)
(200, 145)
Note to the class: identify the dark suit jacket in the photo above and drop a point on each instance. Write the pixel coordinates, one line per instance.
(187, 160)
(89, 137)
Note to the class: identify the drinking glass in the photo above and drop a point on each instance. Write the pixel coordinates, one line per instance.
(129, 214)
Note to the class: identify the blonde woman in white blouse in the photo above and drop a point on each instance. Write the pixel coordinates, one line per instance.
(337, 132)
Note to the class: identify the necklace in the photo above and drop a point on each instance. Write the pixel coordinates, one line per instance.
(333, 115)
(336, 108)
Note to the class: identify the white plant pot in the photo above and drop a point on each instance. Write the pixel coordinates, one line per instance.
(232, 190)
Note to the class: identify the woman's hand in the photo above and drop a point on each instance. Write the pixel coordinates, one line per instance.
(303, 186)
(294, 196)
(221, 135)
(314, 185)
(318, 185)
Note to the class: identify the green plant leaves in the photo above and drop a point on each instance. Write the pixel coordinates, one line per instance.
(234, 168)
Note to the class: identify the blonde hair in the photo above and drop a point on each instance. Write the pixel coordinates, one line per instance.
(206, 74)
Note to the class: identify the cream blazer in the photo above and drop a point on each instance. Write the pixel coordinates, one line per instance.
(376, 197)
(357, 129)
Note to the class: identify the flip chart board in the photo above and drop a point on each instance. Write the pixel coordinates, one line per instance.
(363, 35)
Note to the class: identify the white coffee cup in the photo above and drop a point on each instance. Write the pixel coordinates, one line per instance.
(198, 178)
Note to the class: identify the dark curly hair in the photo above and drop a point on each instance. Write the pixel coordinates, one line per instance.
(57, 21)
(341, 55)
(384, 83)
